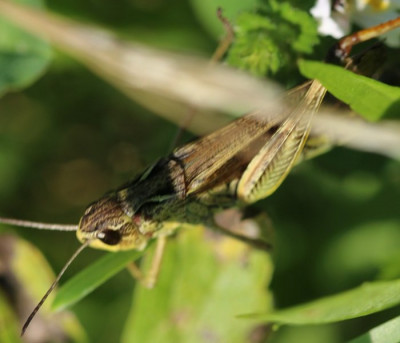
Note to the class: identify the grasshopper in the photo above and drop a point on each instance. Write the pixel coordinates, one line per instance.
(215, 172)
(241, 163)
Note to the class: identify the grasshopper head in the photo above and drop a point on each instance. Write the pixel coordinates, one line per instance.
(110, 227)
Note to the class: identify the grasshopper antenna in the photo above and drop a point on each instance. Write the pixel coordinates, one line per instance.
(53, 285)
(38, 225)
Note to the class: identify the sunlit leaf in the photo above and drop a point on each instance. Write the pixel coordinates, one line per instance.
(370, 98)
(369, 298)
(92, 277)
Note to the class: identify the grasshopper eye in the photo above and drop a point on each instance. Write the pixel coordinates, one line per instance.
(109, 237)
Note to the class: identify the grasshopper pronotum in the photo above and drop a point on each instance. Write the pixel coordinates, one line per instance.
(239, 164)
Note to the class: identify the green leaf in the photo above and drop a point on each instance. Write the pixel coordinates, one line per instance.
(369, 98)
(23, 57)
(9, 324)
(205, 281)
(92, 277)
(369, 298)
(272, 39)
(388, 332)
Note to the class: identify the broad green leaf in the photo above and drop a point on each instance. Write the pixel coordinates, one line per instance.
(23, 57)
(370, 98)
(388, 332)
(369, 298)
(92, 277)
(205, 281)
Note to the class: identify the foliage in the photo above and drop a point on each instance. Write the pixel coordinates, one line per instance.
(271, 39)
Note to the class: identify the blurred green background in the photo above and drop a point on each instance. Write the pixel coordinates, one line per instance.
(70, 137)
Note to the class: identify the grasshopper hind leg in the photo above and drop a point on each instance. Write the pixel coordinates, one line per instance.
(270, 166)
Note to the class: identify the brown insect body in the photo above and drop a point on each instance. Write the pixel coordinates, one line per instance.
(189, 186)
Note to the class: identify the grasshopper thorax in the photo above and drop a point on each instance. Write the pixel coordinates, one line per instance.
(108, 227)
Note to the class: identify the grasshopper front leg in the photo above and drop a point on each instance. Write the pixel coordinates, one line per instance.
(149, 279)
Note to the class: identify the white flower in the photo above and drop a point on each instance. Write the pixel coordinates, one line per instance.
(330, 23)
(364, 13)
